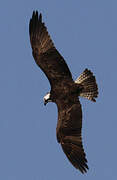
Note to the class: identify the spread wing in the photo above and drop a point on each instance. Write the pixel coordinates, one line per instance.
(69, 134)
(44, 52)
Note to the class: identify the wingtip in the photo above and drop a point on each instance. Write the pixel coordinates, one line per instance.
(36, 18)
(76, 157)
(36, 15)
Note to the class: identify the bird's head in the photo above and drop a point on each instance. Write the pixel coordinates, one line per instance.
(47, 98)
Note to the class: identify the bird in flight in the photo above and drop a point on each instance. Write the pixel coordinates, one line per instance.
(64, 91)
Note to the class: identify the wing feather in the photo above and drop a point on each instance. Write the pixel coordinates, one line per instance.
(45, 53)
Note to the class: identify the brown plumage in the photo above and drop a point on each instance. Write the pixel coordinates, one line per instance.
(64, 91)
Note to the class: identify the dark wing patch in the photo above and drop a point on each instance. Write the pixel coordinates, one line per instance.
(44, 52)
(69, 135)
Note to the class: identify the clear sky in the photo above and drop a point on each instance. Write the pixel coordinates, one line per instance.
(85, 33)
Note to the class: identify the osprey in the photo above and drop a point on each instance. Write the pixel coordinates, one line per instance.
(64, 91)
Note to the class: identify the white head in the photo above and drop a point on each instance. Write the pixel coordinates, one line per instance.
(47, 98)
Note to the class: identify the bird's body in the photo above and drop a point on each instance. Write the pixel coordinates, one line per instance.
(64, 91)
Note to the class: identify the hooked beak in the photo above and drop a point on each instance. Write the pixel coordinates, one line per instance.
(45, 102)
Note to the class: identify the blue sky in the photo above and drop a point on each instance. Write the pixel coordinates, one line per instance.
(85, 33)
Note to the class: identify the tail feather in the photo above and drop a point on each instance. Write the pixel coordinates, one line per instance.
(88, 82)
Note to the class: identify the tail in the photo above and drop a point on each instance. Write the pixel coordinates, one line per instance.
(88, 82)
